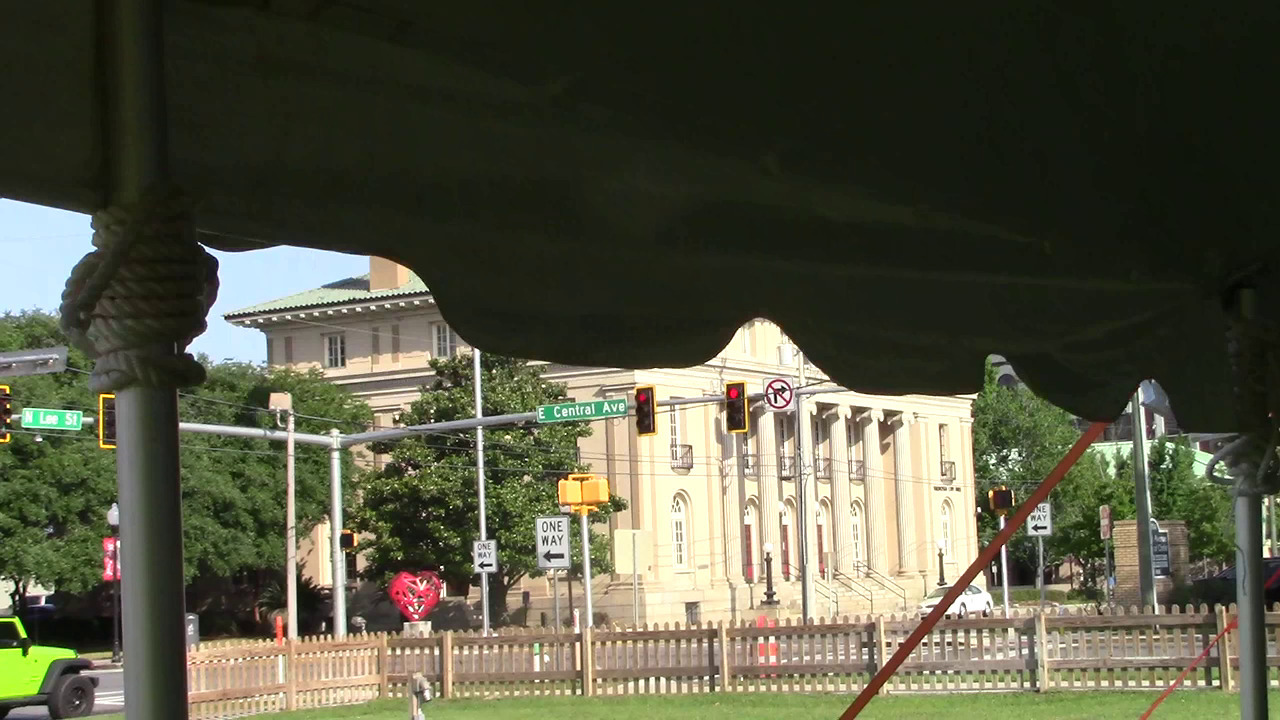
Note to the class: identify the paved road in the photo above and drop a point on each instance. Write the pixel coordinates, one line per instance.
(110, 697)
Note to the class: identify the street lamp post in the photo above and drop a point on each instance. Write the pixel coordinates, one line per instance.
(769, 594)
(942, 580)
(113, 520)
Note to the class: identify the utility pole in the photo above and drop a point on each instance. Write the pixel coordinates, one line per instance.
(484, 530)
(339, 564)
(283, 402)
(1004, 571)
(586, 568)
(802, 497)
(1142, 498)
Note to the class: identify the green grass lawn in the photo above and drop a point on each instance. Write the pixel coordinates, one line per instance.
(1052, 706)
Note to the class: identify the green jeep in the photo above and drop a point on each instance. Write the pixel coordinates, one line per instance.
(37, 675)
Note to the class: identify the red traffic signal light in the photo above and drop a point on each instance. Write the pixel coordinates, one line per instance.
(735, 407)
(645, 408)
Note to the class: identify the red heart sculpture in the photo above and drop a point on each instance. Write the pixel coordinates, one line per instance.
(416, 595)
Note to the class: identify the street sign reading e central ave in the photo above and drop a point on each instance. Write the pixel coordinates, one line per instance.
(592, 410)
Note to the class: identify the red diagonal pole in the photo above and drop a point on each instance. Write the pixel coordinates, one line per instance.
(985, 558)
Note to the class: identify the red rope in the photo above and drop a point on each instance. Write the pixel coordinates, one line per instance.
(1203, 654)
(984, 559)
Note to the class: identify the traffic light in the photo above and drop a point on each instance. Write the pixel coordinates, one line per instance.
(1001, 499)
(645, 403)
(6, 414)
(735, 407)
(106, 421)
(348, 540)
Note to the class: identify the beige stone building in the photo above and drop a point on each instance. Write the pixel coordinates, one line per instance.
(882, 484)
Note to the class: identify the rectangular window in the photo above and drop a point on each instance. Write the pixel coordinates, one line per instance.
(288, 350)
(375, 346)
(395, 343)
(271, 351)
(335, 351)
(446, 341)
(746, 338)
(944, 447)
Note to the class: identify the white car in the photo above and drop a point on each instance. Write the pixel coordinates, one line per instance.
(972, 600)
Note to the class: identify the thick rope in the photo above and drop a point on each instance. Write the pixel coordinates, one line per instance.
(141, 297)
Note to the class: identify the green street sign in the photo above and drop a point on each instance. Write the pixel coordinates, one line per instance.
(46, 419)
(593, 410)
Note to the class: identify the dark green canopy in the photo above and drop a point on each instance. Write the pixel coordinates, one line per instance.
(904, 187)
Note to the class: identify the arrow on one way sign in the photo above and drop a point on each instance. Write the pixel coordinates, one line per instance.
(484, 556)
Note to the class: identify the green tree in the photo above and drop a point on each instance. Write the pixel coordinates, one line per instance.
(1017, 439)
(55, 488)
(234, 488)
(1179, 493)
(55, 492)
(421, 506)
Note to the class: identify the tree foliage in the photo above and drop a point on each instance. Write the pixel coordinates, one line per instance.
(54, 494)
(421, 506)
(1018, 438)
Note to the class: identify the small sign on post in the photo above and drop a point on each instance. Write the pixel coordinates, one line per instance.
(1040, 522)
(1104, 521)
(1160, 553)
(552, 536)
(484, 556)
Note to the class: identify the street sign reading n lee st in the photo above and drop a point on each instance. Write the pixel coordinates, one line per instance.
(50, 419)
(591, 410)
(552, 536)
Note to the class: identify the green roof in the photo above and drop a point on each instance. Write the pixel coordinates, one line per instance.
(351, 290)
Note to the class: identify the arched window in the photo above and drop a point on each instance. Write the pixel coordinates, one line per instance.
(944, 529)
(855, 534)
(822, 537)
(680, 531)
(785, 540)
(749, 542)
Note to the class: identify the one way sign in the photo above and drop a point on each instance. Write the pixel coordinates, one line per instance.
(484, 556)
(1040, 523)
(552, 534)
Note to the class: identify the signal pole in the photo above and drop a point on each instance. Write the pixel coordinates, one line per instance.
(484, 530)
(802, 497)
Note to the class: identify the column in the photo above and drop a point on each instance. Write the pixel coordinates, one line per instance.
(907, 550)
(841, 497)
(874, 483)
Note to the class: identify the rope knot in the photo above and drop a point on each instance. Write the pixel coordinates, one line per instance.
(142, 295)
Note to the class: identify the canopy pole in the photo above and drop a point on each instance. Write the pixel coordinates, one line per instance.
(134, 304)
(147, 461)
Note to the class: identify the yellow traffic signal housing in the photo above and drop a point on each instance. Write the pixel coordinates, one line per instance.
(6, 414)
(736, 416)
(348, 540)
(570, 490)
(595, 491)
(106, 420)
(1001, 499)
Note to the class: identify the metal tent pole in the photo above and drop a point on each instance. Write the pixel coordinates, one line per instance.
(150, 494)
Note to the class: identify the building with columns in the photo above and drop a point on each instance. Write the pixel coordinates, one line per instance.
(874, 486)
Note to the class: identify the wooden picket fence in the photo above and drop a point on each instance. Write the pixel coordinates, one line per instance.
(1025, 652)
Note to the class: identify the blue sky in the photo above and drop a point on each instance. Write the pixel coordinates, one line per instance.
(39, 246)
